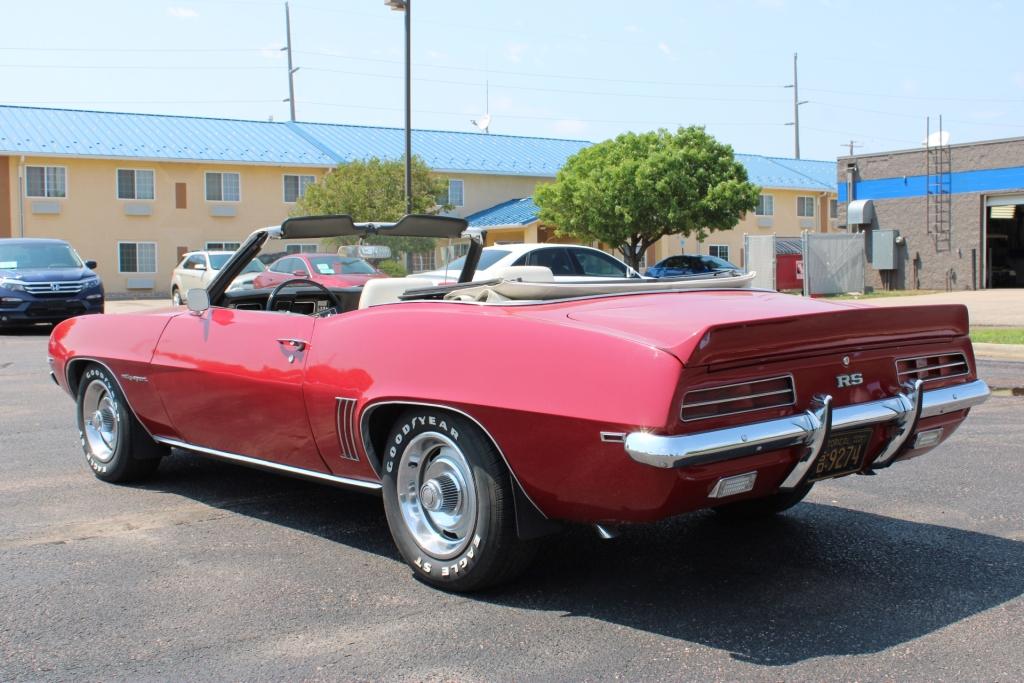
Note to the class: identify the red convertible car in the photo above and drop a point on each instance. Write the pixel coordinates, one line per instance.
(486, 414)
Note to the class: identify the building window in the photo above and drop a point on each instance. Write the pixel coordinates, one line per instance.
(45, 181)
(133, 183)
(222, 187)
(719, 250)
(301, 249)
(295, 186)
(456, 194)
(136, 257)
(222, 246)
(765, 205)
(833, 208)
(805, 207)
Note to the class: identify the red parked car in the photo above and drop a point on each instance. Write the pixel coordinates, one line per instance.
(487, 413)
(327, 269)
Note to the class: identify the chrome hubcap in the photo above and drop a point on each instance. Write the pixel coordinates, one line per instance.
(99, 415)
(436, 495)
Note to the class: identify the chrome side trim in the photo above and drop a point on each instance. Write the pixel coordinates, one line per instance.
(344, 419)
(367, 443)
(273, 466)
(736, 442)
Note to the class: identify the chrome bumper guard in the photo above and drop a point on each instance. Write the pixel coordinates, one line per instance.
(811, 429)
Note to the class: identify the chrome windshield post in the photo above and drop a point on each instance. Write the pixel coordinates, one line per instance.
(820, 418)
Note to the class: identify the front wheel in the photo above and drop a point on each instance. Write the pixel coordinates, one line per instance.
(176, 297)
(449, 502)
(116, 446)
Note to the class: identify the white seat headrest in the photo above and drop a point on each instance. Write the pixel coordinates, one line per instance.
(386, 290)
(527, 274)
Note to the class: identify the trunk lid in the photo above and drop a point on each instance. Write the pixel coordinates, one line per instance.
(708, 327)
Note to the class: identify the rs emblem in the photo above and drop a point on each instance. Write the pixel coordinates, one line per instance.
(851, 380)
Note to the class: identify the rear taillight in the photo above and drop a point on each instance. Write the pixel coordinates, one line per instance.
(729, 399)
(931, 368)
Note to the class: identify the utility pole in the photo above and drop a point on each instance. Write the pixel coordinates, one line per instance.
(408, 107)
(851, 144)
(796, 111)
(291, 71)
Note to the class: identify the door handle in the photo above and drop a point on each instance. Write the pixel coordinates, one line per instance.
(294, 344)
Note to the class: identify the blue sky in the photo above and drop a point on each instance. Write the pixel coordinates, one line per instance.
(871, 71)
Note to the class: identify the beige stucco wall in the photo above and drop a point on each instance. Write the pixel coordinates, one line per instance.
(784, 223)
(93, 219)
(484, 191)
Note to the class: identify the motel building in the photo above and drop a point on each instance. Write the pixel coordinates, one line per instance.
(136, 191)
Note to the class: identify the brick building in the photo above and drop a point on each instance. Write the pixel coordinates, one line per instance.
(953, 215)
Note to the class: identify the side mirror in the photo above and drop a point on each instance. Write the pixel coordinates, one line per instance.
(300, 273)
(91, 265)
(198, 300)
(199, 266)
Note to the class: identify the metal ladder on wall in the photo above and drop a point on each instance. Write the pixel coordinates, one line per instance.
(938, 160)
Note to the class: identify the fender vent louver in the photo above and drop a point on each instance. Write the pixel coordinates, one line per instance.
(932, 368)
(744, 397)
(346, 431)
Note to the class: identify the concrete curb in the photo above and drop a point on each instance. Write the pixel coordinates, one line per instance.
(1013, 352)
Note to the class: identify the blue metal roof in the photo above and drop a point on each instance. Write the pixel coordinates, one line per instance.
(793, 174)
(65, 132)
(69, 132)
(447, 150)
(513, 212)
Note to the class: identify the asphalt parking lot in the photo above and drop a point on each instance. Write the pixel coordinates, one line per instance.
(212, 571)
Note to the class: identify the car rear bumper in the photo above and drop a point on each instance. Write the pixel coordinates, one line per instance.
(810, 429)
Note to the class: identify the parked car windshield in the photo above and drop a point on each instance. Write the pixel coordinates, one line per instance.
(38, 256)
(487, 259)
(340, 265)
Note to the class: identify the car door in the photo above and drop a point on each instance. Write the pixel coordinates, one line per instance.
(231, 381)
(277, 273)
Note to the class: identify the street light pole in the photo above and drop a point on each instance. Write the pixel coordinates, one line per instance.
(403, 6)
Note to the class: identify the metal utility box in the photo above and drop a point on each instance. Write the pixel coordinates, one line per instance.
(883, 249)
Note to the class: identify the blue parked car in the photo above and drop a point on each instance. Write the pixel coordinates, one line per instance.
(689, 264)
(45, 281)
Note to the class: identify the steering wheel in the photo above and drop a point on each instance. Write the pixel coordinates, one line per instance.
(331, 296)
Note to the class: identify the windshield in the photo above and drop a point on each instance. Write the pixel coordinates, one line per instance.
(254, 267)
(38, 256)
(217, 261)
(714, 262)
(340, 265)
(487, 259)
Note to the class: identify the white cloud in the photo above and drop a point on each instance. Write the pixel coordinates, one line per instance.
(436, 55)
(182, 12)
(272, 52)
(631, 28)
(514, 52)
(665, 49)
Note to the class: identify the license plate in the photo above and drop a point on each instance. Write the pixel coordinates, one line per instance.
(843, 454)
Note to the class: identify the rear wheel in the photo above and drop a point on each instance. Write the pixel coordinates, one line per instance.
(176, 296)
(116, 446)
(449, 502)
(763, 507)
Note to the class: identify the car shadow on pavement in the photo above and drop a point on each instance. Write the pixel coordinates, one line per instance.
(350, 517)
(818, 581)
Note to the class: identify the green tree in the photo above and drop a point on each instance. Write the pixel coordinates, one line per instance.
(374, 190)
(630, 191)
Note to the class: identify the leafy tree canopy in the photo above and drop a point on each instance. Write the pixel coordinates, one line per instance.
(631, 191)
(374, 190)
